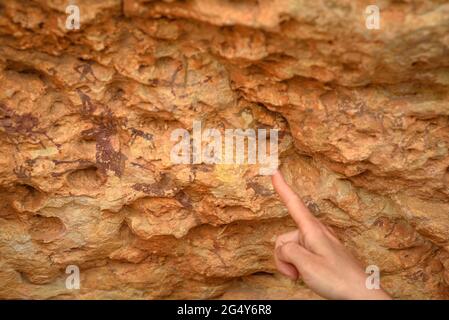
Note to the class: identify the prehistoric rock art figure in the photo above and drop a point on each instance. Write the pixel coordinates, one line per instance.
(22, 126)
(85, 70)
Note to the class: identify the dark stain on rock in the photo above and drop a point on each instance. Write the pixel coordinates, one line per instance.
(202, 167)
(199, 167)
(161, 188)
(313, 207)
(184, 199)
(22, 172)
(259, 189)
(173, 79)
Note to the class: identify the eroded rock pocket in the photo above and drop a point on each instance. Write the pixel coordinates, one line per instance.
(46, 229)
(88, 179)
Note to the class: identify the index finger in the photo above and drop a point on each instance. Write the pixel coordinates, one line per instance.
(297, 209)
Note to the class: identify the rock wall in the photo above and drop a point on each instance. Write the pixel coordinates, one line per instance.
(86, 117)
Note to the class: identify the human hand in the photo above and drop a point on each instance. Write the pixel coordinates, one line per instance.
(315, 254)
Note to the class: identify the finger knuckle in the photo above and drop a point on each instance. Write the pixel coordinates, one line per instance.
(280, 240)
(288, 247)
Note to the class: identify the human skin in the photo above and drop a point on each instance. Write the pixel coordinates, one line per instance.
(314, 253)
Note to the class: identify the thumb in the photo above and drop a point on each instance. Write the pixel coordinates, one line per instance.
(295, 254)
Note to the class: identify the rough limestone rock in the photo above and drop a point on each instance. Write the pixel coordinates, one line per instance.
(86, 117)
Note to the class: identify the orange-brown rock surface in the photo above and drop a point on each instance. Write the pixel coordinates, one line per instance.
(85, 123)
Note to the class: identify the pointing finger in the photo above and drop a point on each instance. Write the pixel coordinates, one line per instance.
(299, 212)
